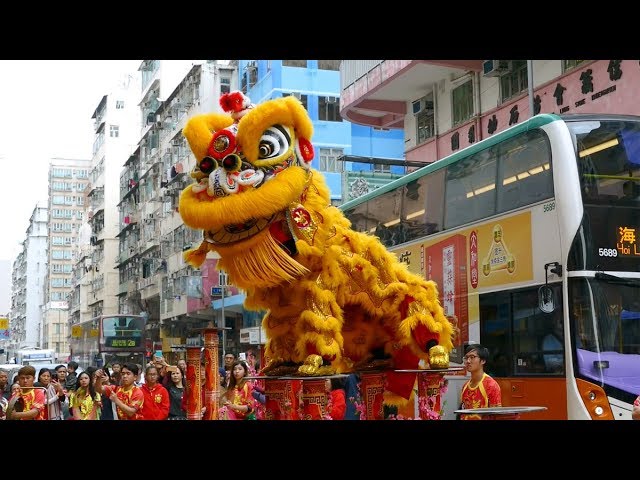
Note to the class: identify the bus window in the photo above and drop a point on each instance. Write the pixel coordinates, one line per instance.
(423, 206)
(384, 217)
(470, 189)
(358, 217)
(525, 171)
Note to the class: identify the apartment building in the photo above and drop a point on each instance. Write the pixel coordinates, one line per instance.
(27, 297)
(153, 276)
(68, 182)
(443, 106)
(116, 121)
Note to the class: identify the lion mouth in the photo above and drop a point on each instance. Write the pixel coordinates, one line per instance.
(222, 183)
(237, 232)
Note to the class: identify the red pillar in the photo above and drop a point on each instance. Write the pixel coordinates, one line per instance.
(212, 380)
(194, 387)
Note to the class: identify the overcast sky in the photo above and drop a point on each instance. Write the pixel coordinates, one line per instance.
(45, 112)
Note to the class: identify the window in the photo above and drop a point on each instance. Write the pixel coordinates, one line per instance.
(328, 109)
(225, 85)
(381, 168)
(525, 171)
(514, 82)
(294, 63)
(569, 64)
(114, 131)
(328, 158)
(119, 104)
(498, 179)
(300, 96)
(425, 126)
(521, 339)
(329, 65)
(253, 76)
(470, 189)
(462, 101)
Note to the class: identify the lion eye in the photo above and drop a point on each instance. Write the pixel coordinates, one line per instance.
(275, 141)
(265, 150)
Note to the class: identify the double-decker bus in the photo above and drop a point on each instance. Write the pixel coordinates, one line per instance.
(532, 238)
(107, 338)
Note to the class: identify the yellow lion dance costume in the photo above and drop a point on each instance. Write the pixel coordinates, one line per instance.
(329, 291)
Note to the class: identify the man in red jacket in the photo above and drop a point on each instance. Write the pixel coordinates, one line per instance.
(156, 397)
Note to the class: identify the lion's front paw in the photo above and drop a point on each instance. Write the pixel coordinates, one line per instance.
(313, 367)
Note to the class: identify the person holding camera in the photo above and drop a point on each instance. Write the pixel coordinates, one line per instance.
(128, 397)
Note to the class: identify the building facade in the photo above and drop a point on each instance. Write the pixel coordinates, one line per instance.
(28, 286)
(443, 106)
(68, 183)
(153, 276)
(95, 277)
(353, 158)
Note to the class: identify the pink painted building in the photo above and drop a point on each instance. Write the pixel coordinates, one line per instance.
(446, 105)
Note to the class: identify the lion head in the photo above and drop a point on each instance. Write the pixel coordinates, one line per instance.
(252, 163)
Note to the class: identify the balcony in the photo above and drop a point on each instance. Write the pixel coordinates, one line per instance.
(376, 93)
(149, 287)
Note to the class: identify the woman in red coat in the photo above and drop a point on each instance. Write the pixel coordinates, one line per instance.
(336, 399)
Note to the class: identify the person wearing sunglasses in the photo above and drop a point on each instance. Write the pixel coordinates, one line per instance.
(481, 390)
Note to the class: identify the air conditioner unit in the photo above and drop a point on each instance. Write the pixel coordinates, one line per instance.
(332, 99)
(495, 68)
(422, 105)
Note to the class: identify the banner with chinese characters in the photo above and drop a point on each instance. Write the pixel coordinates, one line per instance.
(4, 328)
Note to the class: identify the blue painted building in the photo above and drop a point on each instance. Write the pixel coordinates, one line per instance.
(317, 84)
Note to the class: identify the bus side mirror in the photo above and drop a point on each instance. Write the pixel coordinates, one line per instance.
(545, 299)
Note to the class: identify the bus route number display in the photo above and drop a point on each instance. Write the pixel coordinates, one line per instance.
(119, 342)
(626, 244)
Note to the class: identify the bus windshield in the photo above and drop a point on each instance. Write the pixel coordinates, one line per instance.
(605, 313)
(608, 154)
(122, 332)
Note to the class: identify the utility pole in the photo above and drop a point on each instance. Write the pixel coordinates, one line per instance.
(222, 282)
(530, 86)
